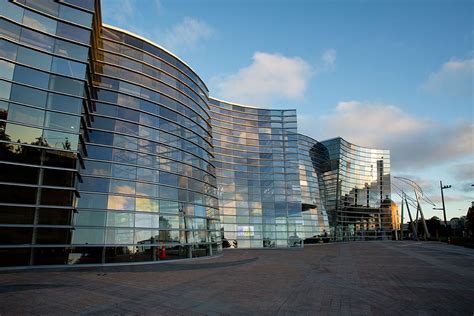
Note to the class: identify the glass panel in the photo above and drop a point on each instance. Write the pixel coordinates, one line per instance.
(68, 68)
(9, 29)
(23, 134)
(72, 32)
(31, 77)
(8, 50)
(119, 236)
(86, 4)
(94, 201)
(66, 85)
(71, 50)
(6, 70)
(117, 202)
(47, 6)
(61, 140)
(146, 205)
(118, 219)
(97, 168)
(65, 122)
(64, 103)
(36, 39)
(122, 171)
(89, 218)
(24, 114)
(94, 184)
(39, 22)
(34, 58)
(76, 16)
(5, 88)
(27, 95)
(88, 236)
(12, 11)
(146, 220)
(122, 187)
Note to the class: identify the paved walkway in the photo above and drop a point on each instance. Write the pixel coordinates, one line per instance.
(361, 278)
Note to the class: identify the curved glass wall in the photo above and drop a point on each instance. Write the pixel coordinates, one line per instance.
(256, 156)
(315, 218)
(357, 182)
(148, 189)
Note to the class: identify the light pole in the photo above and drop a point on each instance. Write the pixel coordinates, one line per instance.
(442, 200)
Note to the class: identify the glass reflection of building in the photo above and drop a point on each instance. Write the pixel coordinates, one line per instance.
(356, 189)
(112, 151)
(315, 217)
(256, 153)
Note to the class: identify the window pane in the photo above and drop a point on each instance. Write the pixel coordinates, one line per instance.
(97, 168)
(66, 85)
(36, 39)
(8, 49)
(72, 32)
(88, 236)
(64, 103)
(86, 4)
(61, 140)
(31, 77)
(68, 68)
(94, 201)
(3, 111)
(34, 58)
(94, 184)
(5, 88)
(12, 11)
(47, 6)
(122, 187)
(146, 220)
(76, 16)
(119, 236)
(122, 171)
(9, 29)
(117, 202)
(146, 205)
(118, 219)
(25, 114)
(39, 22)
(89, 218)
(23, 134)
(6, 70)
(71, 50)
(28, 95)
(65, 122)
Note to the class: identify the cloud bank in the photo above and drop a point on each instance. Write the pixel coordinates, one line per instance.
(268, 78)
(414, 143)
(454, 78)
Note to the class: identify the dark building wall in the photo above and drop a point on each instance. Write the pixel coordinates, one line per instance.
(45, 100)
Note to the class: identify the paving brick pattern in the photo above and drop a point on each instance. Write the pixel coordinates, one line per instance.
(361, 278)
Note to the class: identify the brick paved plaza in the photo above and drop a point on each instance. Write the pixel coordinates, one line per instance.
(361, 278)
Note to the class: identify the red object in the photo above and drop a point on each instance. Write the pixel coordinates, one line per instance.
(162, 253)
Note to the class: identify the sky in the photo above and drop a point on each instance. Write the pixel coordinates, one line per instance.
(385, 74)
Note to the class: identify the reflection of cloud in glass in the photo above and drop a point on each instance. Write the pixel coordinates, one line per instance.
(146, 205)
(117, 202)
(23, 134)
(124, 189)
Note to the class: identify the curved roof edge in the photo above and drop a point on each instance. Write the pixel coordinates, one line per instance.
(339, 137)
(156, 45)
(248, 106)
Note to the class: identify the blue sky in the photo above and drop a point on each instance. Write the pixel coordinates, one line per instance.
(388, 74)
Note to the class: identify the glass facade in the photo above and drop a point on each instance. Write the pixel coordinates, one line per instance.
(356, 185)
(112, 151)
(256, 156)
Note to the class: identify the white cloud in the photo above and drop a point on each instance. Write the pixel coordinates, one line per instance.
(463, 171)
(329, 59)
(415, 143)
(187, 34)
(268, 78)
(454, 78)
